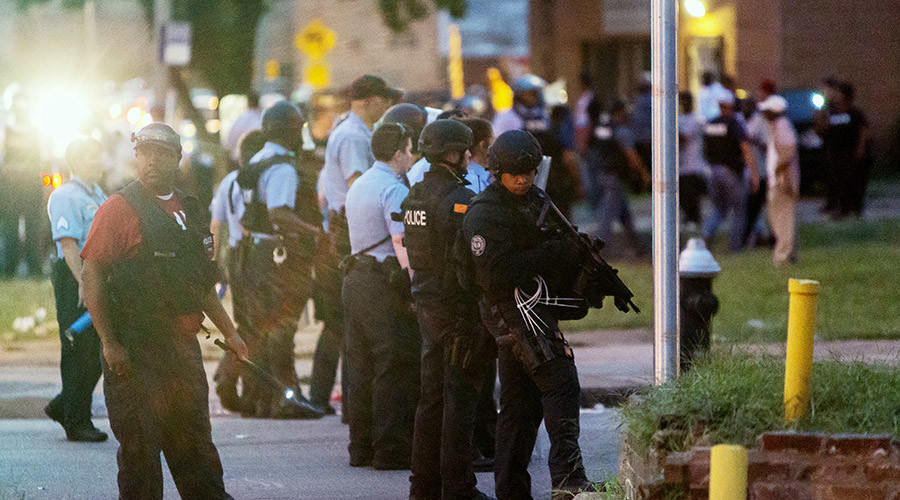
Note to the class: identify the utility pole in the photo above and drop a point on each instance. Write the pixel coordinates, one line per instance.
(162, 10)
(664, 61)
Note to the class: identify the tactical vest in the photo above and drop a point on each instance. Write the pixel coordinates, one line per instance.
(721, 145)
(256, 213)
(172, 271)
(603, 141)
(421, 241)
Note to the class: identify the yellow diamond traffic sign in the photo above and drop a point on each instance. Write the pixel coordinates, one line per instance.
(315, 40)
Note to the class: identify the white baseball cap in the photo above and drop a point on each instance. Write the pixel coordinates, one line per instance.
(774, 104)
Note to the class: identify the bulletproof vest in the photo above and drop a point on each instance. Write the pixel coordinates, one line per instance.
(603, 141)
(721, 145)
(172, 270)
(256, 214)
(421, 239)
(536, 122)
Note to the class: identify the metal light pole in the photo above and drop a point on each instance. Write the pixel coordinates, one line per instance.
(664, 57)
(162, 10)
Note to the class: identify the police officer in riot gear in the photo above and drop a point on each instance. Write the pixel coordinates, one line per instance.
(519, 270)
(283, 219)
(555, 135)
(448, 319)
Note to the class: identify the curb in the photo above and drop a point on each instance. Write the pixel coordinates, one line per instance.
(610, 397)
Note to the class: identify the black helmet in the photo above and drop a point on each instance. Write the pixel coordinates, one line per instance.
(278, 117)
(442, 136)
(411, 116)
(514, 152)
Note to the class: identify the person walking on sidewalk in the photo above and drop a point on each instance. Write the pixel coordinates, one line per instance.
(783, 180)
(148, 280)
(72, 208)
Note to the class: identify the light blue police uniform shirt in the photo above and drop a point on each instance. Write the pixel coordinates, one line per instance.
(349, 150)
(478, 177)
(370, 202)
(71, 208)
(278, 184)
(220, 207)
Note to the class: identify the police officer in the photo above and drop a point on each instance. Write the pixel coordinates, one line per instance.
(557, 140)
(514, 261)
(447, 314)
(72, 209)
(730, 158)
(283, 220)
(613, 161)
(148, 280)
(381, 342)
(227, 207)
(325, 359)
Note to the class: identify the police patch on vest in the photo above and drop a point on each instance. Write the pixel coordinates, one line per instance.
(717, 129)
(415, 218)
(478, 245)
(603, 133)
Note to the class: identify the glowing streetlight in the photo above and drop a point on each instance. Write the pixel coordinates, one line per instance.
(115, 111)
(134, 115)
(213, 126)
(213, 103)
(695, 8)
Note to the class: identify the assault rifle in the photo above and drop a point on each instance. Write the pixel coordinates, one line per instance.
(597, 278)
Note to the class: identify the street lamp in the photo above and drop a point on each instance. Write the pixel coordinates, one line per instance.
(695, 8)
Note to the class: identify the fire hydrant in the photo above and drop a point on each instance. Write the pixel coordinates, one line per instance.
(697, 268)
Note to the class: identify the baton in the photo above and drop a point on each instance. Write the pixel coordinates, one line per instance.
(78, 326)
(311, 410)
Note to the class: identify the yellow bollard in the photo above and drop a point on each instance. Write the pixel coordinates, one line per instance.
(798, 365)
(728, 472)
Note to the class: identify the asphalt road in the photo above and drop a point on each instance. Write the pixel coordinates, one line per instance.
(262, 459)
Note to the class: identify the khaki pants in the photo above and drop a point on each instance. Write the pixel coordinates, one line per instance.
(782, 205)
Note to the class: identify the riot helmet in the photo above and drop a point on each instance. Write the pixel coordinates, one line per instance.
(411, 116)
(443, 136)
(515, 152)
(529, 84)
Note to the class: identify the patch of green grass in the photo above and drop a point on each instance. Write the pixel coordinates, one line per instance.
(856, 262)
(732, 398)
(20, 298)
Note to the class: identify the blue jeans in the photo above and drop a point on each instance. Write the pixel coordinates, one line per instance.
(728, 193)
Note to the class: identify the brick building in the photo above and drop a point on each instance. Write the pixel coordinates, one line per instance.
(795, 42)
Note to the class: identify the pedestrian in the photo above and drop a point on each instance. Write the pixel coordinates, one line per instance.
(707, 99)
(227, 207)
(381, 341)
(447, 315)
(22, 197)
(148, 281)
(691, 167)
(757, 135)
(733, 171)
(477, 176)
(509, 253)
(614, 162)
(556, 137)
(783, 180)
(846, 141)
(71, 208)
(284, 224)
(641, 122)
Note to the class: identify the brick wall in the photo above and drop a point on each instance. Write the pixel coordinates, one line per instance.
(802, 466)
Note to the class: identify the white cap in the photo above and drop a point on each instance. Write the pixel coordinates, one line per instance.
(696, 261)
(774, 103)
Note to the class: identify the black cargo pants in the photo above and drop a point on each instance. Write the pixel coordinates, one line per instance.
(445, 416)
(163, 406)
(551, 393)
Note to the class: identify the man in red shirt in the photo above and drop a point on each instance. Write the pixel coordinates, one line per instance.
(148, 281)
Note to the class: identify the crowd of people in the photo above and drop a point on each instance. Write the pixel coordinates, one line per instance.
(417, 233)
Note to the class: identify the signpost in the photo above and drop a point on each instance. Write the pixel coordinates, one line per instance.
(316, 40)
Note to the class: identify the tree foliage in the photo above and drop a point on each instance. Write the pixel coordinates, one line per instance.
(398, 14)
